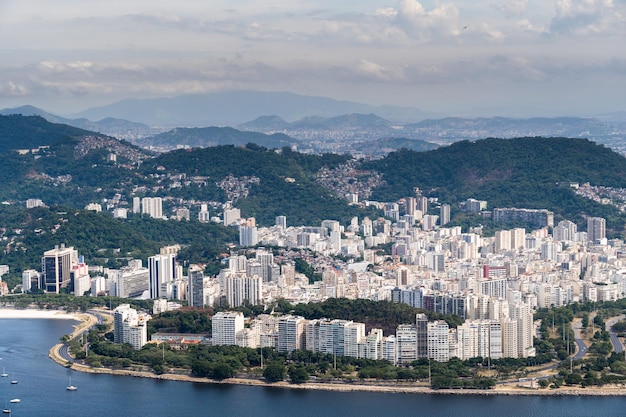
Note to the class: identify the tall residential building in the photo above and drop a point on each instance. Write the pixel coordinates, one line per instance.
(421, 204)
(291, 333)
(231, 215)
(136, 205)
(204, 215)
(596, 228)
(56, 266)
(406, 340)
(30, 280)
(225, 326)
(248, 236)
(444, 214)
(421, 327)
(239, 287)
(161, 272)
(281, 221)
(195, 293)
(438, 341)
(152, 206)
(130, 327)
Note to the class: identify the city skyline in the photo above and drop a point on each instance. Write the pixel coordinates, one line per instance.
(497, 57)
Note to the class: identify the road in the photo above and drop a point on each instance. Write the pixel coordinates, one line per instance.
(581, 347)
(617, 344)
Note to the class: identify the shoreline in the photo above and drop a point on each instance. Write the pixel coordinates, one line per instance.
(31, 313)
(86, 320)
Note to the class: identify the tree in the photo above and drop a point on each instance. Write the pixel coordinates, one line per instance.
(222, 371)
(298, 374)
(274, 372)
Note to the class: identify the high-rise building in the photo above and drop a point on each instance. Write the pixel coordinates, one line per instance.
(291, 333)
(204, 215)
(130, 327)
(195, 292)
(406, 339)
(281, 221)
(238, 287)
(596, 228)
(444, 214)
(231, 215)
(136, 205)
(225, 326)
(438, 341)
(30, 280)
(248, 236)
(56, 266)
(152, 206)
(161, 272)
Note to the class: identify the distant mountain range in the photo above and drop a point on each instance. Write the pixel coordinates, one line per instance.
(119, 128)
(313, 124)
(233, 108)
(344, 121)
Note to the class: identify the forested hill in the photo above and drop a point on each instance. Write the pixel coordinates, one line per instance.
(27, 132)
(524, 172)
(214, 136)
(286, 183)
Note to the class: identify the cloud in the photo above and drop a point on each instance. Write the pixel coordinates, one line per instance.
(585, 17)
(511, 8)
(440, 20)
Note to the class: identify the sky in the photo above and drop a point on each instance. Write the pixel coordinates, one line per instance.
(467, 58)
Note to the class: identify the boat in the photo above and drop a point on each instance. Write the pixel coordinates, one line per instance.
(15, 400)
(6, 410)
(71, 387)
(14, 381)
(3, 374)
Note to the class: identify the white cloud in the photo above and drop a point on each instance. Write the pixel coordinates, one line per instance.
(586, 17)
(511, 8)
(423, 24)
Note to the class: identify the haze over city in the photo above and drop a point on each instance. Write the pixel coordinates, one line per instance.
(495, 57)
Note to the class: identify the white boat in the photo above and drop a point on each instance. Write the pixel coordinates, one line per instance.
(71, 387)
(15, 400)
(14, 381)
(6, 411)
(3, 374)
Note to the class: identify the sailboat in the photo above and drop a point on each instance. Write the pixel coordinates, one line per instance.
(15, 400)
(14, 381)
(71, 387)
(3, 374)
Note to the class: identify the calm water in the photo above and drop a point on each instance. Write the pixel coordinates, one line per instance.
(24, 346)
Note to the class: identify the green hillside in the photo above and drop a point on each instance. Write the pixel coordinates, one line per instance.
(28, 132)
(202, 137)
(524, 173)
(286, 184)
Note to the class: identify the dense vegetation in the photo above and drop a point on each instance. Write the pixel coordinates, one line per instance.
(215, 136)
(286, 181)
(524, 173)
(28, 132)
(102, 239)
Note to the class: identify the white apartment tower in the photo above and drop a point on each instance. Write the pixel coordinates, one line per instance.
(225, 326)
(152, 206)
(291, 333)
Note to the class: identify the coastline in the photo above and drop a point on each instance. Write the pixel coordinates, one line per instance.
(86, 320)
(31, 313)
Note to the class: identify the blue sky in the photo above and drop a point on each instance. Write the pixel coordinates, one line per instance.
(479, 57)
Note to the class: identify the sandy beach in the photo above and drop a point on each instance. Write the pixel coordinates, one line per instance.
(11, 313)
